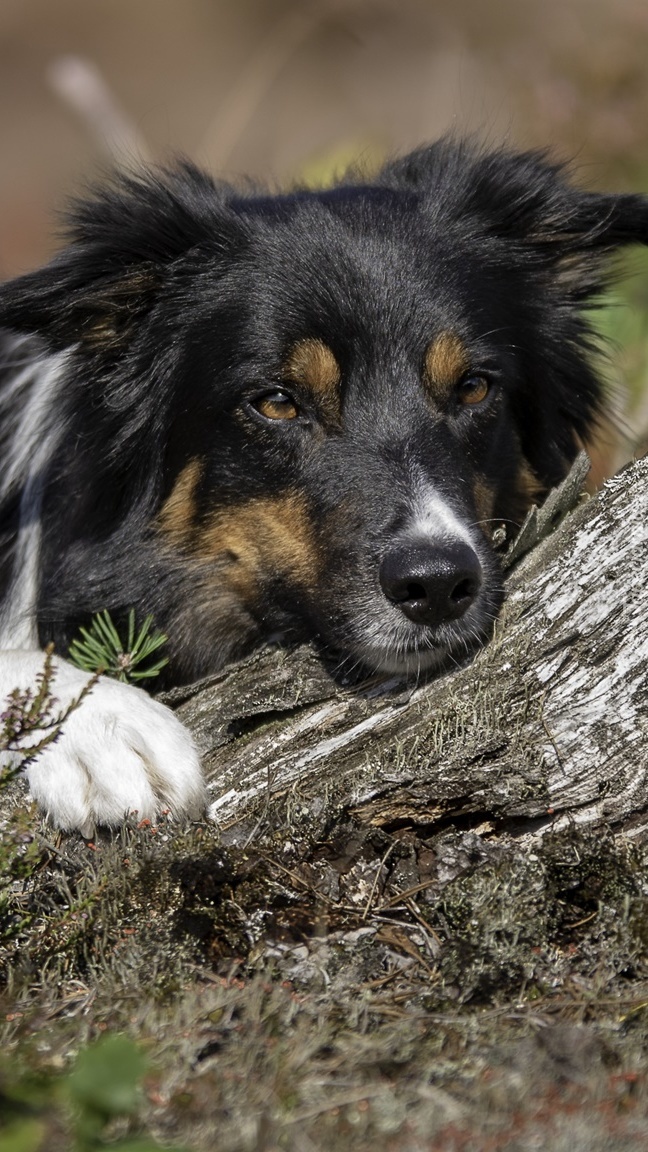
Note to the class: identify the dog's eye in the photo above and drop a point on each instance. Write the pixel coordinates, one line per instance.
(276, 406)
(473, 389)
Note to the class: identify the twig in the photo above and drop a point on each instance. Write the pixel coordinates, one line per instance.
(80, 85)
(377, 878)
(423, 922)
(403, 896)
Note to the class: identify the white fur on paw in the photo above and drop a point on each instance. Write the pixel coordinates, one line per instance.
(119, 751)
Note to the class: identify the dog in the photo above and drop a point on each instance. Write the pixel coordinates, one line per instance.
(283, 416)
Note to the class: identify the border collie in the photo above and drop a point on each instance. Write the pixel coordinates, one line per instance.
(259, 416)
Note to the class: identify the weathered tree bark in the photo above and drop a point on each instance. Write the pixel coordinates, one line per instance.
(547, 725)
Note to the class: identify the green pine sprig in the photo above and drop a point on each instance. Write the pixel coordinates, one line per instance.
(101, 649)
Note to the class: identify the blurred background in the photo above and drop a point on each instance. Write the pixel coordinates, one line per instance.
(295, 89)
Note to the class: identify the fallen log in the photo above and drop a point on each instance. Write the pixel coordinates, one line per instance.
(548, 724)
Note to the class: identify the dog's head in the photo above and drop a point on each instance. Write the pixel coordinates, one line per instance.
(324, 403)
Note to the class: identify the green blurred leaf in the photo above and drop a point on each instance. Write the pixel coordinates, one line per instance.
(323, 169)
(23, 1136)
(622, 321)
(106, 1076)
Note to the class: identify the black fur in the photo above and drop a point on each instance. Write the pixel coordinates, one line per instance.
(177, 301)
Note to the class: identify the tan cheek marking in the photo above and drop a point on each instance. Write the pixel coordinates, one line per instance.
(517, 500)
(178, 515)
(266, 538)
(446, 361)
(484, 500)
(529, 489)
(528, 482)
(312, 364)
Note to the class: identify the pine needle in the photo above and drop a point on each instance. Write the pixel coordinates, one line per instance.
(100, 648)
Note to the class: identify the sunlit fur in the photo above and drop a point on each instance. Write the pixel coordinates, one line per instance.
(141, 467)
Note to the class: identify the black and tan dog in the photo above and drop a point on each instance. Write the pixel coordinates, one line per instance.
(262, 416)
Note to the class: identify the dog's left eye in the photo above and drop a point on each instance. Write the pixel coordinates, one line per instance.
(276, 406)
(473, 389)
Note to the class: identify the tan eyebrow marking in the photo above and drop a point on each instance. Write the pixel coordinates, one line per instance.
(312, 363)
(446, 361)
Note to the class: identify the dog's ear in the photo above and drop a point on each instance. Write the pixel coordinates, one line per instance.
(124, 243)
(526, 198)
(522, 197)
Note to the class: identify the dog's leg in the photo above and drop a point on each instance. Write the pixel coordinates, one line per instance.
(119, 751)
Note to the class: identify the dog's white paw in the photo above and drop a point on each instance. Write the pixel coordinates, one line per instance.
(119, 751)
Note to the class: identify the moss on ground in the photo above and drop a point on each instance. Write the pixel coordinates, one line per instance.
(365, 990)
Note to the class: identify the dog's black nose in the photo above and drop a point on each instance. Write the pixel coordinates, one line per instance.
(431, 583)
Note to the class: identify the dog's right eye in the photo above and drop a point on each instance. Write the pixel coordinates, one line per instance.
(276, 405)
